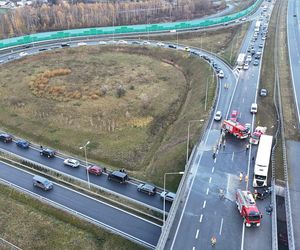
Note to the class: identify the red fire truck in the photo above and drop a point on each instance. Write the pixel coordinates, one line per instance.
(236, 129)
(247, 208)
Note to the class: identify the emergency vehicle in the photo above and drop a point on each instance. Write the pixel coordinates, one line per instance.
(255, 136)
(247, 208)
(235, 128)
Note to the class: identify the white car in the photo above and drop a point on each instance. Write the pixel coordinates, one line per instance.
(102, 42)
(221, 74)
(253, 109)
(160, 44)
(72, 163)
(246, 66)
(218, 116)
(122, 42)
(146, 43)
(82, 44)
(168, 196)
(249, 58)
(23, 54)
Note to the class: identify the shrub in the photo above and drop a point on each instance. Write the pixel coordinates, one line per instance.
(120, 91)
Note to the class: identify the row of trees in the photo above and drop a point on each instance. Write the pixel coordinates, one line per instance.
(30, 19)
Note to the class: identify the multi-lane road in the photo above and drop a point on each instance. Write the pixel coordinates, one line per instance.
(203, 214)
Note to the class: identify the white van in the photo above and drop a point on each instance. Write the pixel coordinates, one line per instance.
(253, 108)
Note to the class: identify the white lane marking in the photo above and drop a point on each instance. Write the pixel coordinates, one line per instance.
(213, 169)
(197, 233)
(243, 235)
(209, 180)
(215, 160)
(243, 100)
(221, 226)
(207, 190)
(232, 157)
(204, 204)
(194, 248)
(201, 216)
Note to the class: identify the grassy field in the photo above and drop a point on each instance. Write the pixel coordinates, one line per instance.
(30, 224)
(224, 42)
(64, 98)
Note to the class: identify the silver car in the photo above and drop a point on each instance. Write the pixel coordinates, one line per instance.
(72, 163)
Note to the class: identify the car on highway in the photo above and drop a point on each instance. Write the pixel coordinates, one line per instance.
(41, 182)
(221, 74)
(147, 188)
(102, 42)
(261, 45)
(246, 65)
(22, 143)
(118, 176)
(146, 43)
(263, 38)
(168, 196)
(249, 58)
(218, 116)
(263, 92)
(160, 44)
(21, 54)
(253, 108)
(187, 49)
(5, 137)
(234, 115)
(47, 152)
(122, 42)
(172, 46)
(82, 44)
(65, 45)
(93, 169)
(256, 62)
(71, 163)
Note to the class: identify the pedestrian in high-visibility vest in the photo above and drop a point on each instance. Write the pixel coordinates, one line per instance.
(246, 178)
(255, 194)
(241, 176)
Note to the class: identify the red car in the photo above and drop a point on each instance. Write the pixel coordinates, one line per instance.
(95, 170)
(234, 115)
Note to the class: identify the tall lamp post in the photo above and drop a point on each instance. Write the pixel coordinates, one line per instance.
(86, 165)
(188, 139)
(164, 207)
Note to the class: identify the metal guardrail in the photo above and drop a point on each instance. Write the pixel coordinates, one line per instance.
(76, 213)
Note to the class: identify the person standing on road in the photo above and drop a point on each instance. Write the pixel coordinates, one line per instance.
(213, 240)
(246, 178)
(247, 147)
(241, 176)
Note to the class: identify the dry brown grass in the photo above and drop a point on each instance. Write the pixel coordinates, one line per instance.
(163, 91)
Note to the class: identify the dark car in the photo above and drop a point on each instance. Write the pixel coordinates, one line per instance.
(95, 170)
(22, 144)
(5, 137)
(263, 92)
(65, 45)
(261, 45)
(118, 176)
(50, 153)
(172, 46)
(147, 188)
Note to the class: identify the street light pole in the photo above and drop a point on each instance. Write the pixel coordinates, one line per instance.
(86, 165)
(164, 205)
(188, 139)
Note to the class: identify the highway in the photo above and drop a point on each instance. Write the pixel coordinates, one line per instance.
(109, 217)
(202, 214)
(293, 147)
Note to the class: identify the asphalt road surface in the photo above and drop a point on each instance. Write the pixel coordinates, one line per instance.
(203, 214)
(111, 218)
(293, 147)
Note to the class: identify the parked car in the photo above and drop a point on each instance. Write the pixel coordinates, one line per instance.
(253, 108)
(22, 143)
(263, 92)
(71, 162)
(50, 153)
(249, 58)
(218, 116)
(65, 45)
(256, 62)
(234, 115)
(147, 188)
(168, 196)
(221, 74)
(41, 182)
(118, 176)
(5, 137)
(95, 170)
